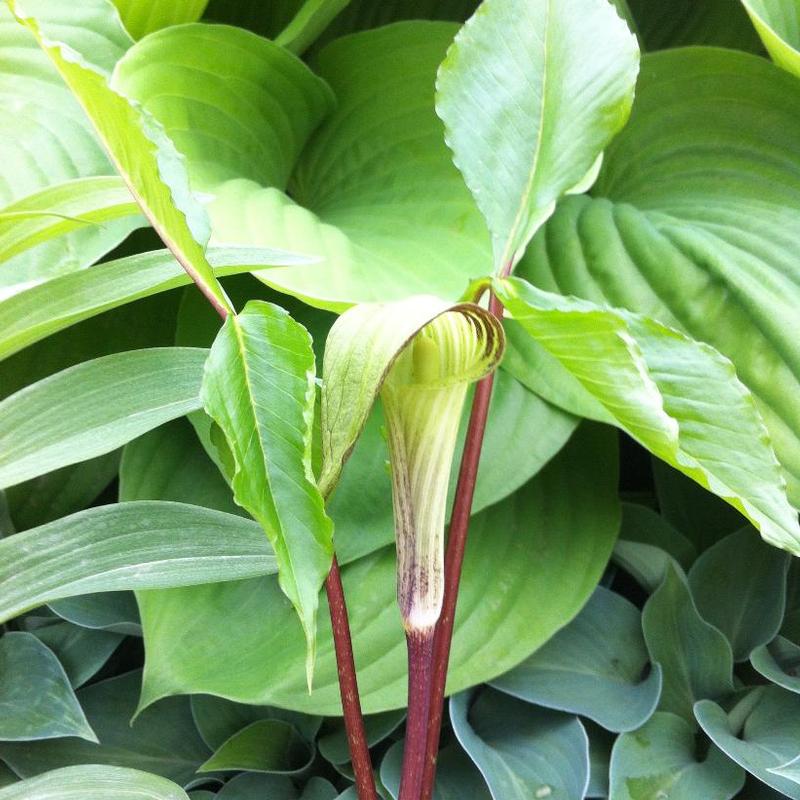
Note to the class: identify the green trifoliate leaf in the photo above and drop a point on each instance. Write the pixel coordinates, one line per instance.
(526, 119)
(778, 25)
(85, 52)
(679, 398)
(423, 396)
(145, 16)
(259, 388)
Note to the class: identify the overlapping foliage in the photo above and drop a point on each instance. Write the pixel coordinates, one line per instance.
(171, 496)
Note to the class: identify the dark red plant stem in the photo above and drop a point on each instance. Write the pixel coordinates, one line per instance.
(420, 655)
(454, 560)
(348, 687)
(346, 667)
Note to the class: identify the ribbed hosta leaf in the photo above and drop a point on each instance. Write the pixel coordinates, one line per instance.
(141, 545)
(94, 408)
(374, 192)
(45, 140)
(84, 50)
(259, 388)
(145, 16)
(778, 25)
(693, 221)
(677, 397)
(530, 93)
(94, 783)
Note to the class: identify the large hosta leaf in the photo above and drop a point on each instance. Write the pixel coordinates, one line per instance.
(693, 221)
(538, 554)
(525, 118)
(94, 408)
(46, 140)
(142, 545)
(374, 192)
(94, 783)
(259, 388)
(778, 25)
(41, 311)
(84, 51)
(677, 397)
(145, 16)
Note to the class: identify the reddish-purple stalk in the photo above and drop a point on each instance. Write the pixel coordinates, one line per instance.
(420, 660)
(454, 560)
(345, 662)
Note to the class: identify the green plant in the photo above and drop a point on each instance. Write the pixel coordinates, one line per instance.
(392, 219)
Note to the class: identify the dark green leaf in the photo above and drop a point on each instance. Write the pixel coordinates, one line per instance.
(779, 663)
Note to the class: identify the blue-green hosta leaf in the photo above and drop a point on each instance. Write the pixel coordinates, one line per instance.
(525, 118)
(84, 52)
(40, 311)
(768, 740)
(101, 611)
(94, 408)
(259, 388)
(778, 25)
(523, 752)
(374, 192)
(660, 760)
(778, 662)
(266, 745)
(145, 16)
(333, 744)
(642, 524)
(94, 783)
(739, 586)
(677, 397)
(140, 545)
(551, 566)
(593, 667)
(695, 657)
(692, 221)
(61, 208)
(46, 141)
(162, 740)
(36, 698)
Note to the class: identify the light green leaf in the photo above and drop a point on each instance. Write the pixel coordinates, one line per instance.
(538, 576)
(43, 310)
(61, 208)
(373, 193)
(36, 698)
(80, 651)
(362, 346)
(162, 740)
(592, 667)
(259, 387)
(101, 405)
(311, 19)
(142, 153)
(739, 586)
(696, 658)
(46, 142)
(267, 745)
(128, 546)
(145, 16)
(94, 783)
(525, 118)
(778, 662)
(665, 235)
(523, 752)
(767, 741)
(660, 760)
(778, 25)
(678, 398)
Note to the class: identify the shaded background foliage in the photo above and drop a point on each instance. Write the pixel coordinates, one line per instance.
(641, 641)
